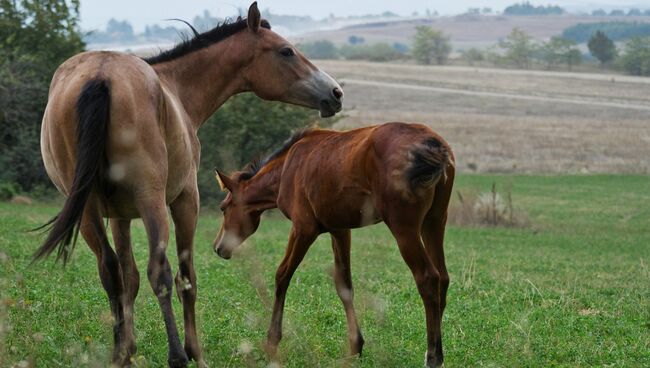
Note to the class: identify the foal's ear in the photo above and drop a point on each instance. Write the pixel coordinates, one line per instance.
(224, 181)
(254, 18)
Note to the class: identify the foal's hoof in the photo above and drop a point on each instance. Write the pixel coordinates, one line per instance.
(356, 347)
(433, 361)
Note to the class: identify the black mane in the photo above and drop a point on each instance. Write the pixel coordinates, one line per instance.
(203, 40)
(256, 165)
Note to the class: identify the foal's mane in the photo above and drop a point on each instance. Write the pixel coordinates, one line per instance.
(203, 40)
(257, 164)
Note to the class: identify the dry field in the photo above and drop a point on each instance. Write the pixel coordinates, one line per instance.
(509, 121)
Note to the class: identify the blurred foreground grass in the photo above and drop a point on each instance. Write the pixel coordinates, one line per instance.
(571, 289)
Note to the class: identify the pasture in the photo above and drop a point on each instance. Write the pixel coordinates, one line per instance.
(572, 288)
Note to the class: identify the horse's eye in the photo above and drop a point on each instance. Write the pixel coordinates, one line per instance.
(287, 51)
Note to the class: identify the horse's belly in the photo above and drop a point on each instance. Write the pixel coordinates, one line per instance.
(349, 212)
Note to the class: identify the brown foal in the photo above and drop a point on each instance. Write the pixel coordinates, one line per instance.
(328, 181)
(119, 139)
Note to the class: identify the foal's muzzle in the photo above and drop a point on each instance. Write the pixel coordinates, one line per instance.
(221, 253)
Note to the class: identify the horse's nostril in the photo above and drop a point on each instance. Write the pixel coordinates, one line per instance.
(337, 93)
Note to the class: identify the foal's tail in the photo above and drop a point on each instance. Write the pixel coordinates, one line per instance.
(428, 164)
(93, 110)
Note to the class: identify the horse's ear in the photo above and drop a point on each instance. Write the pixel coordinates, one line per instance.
(224, 181)
(254, 18)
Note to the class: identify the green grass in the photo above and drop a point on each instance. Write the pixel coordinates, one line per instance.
(573, 289)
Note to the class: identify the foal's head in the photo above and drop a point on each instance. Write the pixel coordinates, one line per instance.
(278, 71)
(240, 218)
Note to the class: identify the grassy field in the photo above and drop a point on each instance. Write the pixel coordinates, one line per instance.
(571, 289)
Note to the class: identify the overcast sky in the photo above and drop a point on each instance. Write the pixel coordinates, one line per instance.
(96, 13)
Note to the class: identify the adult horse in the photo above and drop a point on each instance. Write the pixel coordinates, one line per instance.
(119, 139)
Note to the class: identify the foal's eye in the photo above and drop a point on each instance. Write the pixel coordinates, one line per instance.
(287, 51)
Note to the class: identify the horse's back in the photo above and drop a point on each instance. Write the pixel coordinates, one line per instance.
(135, 143)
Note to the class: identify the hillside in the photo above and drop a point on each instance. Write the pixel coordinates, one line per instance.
(464, 30)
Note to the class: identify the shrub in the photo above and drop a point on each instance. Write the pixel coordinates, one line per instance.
(319, 50)
(373, 52)
(491, 209)
(244, 128)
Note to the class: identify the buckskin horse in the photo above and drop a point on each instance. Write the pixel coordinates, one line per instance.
(330, 182)
(119, 139)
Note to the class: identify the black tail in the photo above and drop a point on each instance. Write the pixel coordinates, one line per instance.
(428, 164)
(93, 110)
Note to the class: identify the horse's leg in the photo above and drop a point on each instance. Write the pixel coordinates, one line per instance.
(121, 230)
(427, 279)
(185, 210)
(343, 282)
(299, 242)
(154, 216)
(110, 273)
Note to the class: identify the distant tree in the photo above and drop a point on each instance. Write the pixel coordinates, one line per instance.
(355, 40)
(561, 51)
(599, 13)
(207, 21)
(634, 12)
(646, 12)
(319, 50)
(473, 56)
(519, 48)
(526, 8)
(120, 30)
(636, 57)
(602, 48)
(474, 11)
(616, 13)
(486, 10)
(616, 30)
(401, 48)
(430, 46)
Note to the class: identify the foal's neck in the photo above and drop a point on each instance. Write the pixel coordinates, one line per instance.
(262, 189)
(204, 79)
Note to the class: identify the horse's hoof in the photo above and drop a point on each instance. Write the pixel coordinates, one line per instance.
(178, 361)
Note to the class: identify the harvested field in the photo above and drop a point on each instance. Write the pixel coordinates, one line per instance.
(509, 121)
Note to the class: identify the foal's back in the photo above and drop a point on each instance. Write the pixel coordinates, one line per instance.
(349, 179)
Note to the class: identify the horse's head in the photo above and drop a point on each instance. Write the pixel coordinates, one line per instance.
(278, 71)
(240, 219)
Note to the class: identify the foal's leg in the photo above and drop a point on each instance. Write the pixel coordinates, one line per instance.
(185, 210)
(121, 230)
(299, 242)
(427, 279)
(154, 216)
(343, 282)
(433, 234)
(110, 273)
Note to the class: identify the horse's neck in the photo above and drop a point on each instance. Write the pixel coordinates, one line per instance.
(203, 80)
